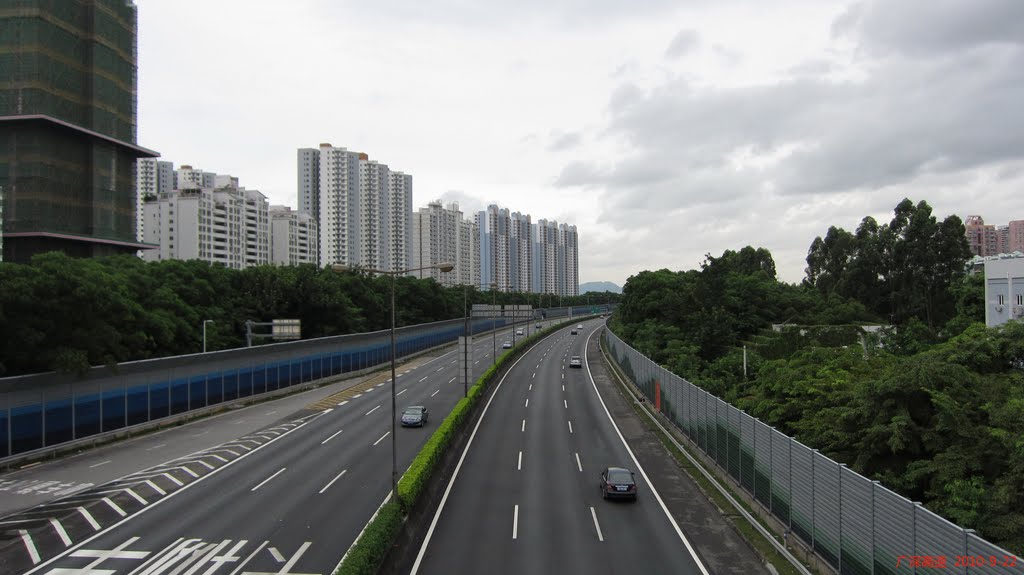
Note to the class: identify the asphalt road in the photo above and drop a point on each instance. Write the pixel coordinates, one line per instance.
(526, 496)
(281, 487)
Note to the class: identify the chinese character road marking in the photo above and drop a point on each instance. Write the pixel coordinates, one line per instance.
(286, 568)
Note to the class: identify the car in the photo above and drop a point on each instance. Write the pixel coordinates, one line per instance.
(519, 332)
(576, 361)
(573, 332)
(618, 482)
(539, 326)
(580, 326)
(507, 345)
(414, 416)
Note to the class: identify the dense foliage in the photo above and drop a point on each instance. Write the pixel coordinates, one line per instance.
(934, 408)
(62, 313)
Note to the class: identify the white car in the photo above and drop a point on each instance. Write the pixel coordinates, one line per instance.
(580, 326)
(507, 345)
(576, 361)
(519, 332)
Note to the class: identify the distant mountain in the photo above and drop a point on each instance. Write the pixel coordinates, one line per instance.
(599, 287)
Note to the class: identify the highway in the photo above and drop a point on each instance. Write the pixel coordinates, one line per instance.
(288, 496)
(525, 497)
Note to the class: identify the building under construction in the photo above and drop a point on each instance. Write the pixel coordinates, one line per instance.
(68, 127)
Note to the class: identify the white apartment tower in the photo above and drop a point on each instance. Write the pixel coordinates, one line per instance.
(151, 178)
(520, 248)
(494, 224)
(568, 261)
(229, 225)
(442, 235)
(293, 237)
(365, 210)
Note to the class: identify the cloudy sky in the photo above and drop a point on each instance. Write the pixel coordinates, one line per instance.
(663, 129)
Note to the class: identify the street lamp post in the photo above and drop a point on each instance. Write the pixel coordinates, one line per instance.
(466, 332)
(444, 267)
(494, 322)
(205, 321)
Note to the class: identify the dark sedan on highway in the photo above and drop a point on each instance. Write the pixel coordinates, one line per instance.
(618, 482)
(414, 416)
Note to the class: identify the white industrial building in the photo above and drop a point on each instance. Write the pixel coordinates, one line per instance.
(1004, 289)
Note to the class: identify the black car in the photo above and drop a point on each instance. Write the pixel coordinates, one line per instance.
(414, 416)
(618, 482)
(573, 332)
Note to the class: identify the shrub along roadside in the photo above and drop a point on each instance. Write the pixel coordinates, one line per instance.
(369, 551)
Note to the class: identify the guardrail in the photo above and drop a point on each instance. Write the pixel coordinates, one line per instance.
(853, 523)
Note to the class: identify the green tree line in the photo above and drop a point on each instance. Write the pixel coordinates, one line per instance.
(66, 314)
(933, 408)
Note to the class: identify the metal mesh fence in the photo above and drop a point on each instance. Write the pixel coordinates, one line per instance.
(853, 523)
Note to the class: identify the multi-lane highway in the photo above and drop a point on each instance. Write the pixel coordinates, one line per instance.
(526, 496)
(288, 496)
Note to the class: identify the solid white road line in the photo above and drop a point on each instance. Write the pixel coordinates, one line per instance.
(60, 531)
(515, 522)
(597, 525)
(88, 518)
(114, 506)
(578, 464)
(155, 487)
(100, 463)
(381, 438)
(435, 393)
(524, 426)
(519, 465)
(372, 410)
(30, 546)
(343, 471)
(570, 426)
(331, 437)
(268, 479)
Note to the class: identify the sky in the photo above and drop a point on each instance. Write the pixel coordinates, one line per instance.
(664, 130)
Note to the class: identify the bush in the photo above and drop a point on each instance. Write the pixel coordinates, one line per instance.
(368, 553)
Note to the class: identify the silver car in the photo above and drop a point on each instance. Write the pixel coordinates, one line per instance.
(507, 345)
(414, 416)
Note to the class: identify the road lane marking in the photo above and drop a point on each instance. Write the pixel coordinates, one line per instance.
(357, 396)
(566, 402)
(538, 366)
(515, 522)
(277, 555)
(201, 462)
(530, 388)
(189, 471)
(519, 465)
(342, 403)
(570, 426)
(156, 447)
(270, 413)
(100, 463)
(88, 518)
(268, 479)
(524, 426)
(438, 369)
(401, 392)
(435, 393)
(597, 525)
(343, 471)
(30, 546)
(136, 496)
(527, 402)
(114, 506)
(534, 375)
(60, 531)
(451, 380)
(381, 438)
(422, 380)
(155, 487)
(372, 410)
(578, 464)
(219, 458)
(563, 387)
(331, 437)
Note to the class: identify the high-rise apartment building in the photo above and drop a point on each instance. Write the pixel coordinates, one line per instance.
(228, 225)
(68, 127)
(517, 255)
(441, 234)
(365, 213)
(293, 237)
(989, 240)
(520, 250)
(308, 185)
(494, 224)
(152, 177)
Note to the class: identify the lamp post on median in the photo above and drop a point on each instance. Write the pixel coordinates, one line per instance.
(466, 332)
(494, 322)
(444, 267)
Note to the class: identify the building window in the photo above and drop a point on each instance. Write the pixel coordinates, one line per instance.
(1000, 300)
(1020, 299)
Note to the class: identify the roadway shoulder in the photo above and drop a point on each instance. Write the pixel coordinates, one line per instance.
(714, 537)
